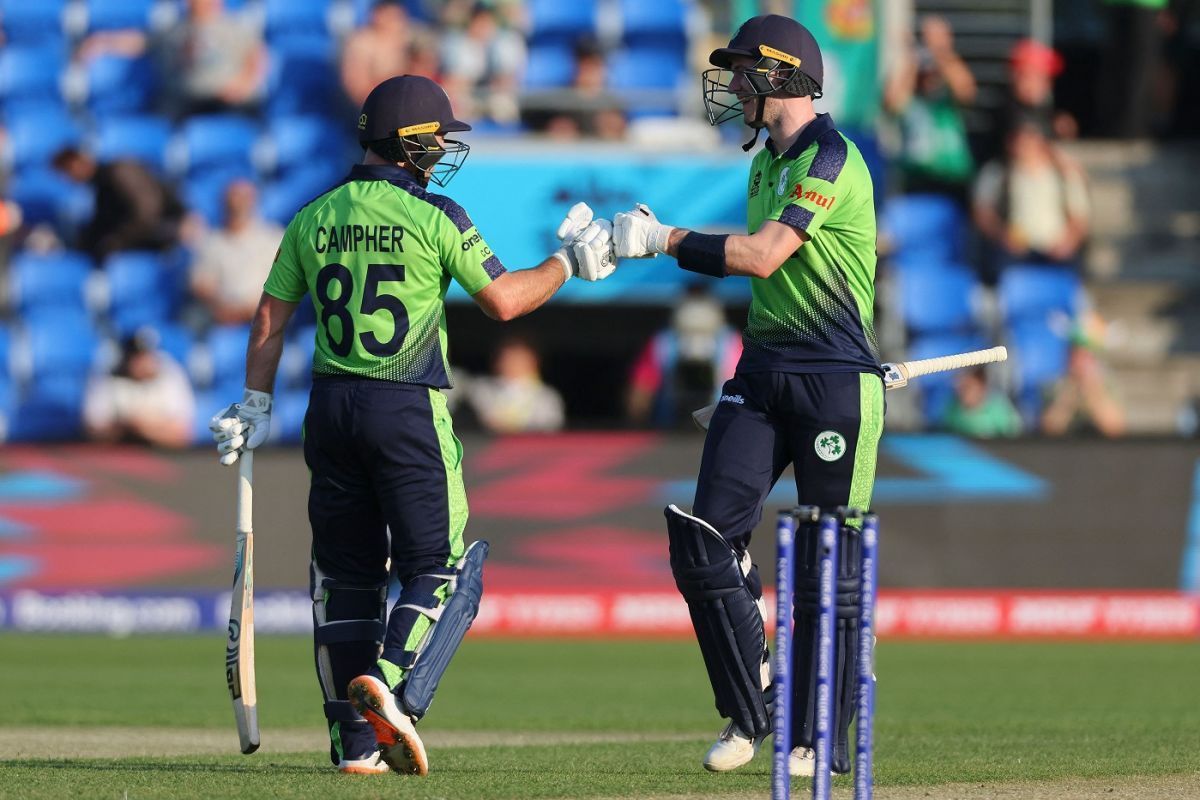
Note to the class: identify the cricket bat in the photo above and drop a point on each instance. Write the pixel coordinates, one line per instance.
(897, 376)
(239, 649)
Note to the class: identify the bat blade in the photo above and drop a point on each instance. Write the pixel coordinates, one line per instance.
(239, 645)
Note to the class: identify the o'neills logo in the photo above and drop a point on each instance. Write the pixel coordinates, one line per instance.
(816, 198)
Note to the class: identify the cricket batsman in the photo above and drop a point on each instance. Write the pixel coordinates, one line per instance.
(808, 390)
(376, 254)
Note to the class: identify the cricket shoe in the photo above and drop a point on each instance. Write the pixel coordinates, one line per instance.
(399, 745)
(371, 765)
(802, 762)
(732, 749)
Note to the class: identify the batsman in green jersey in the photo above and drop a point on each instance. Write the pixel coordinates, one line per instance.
(808, 390)
(375, 255)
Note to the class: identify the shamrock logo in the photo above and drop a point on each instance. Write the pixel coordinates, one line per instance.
(830, 445)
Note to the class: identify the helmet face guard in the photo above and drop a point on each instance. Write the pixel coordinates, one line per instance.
(419, 145)
(768, 76)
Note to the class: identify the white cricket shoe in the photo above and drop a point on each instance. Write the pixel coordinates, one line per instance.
(371, 765)
(399, 745)
(732, 749)
(802, 762)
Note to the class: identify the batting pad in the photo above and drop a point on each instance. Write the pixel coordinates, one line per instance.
(726, 615)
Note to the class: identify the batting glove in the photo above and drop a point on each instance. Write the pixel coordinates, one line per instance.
(242, 426)
(575, 223)
(593, 251)
(639, 234)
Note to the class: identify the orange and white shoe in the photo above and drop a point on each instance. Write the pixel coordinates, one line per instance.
(371, 765)
(399, 745)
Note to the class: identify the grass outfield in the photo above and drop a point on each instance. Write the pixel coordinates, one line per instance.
(149, 718)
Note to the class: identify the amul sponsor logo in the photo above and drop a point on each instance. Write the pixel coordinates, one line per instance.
(816, 198)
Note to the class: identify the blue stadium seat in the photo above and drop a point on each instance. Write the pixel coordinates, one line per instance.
(1033, 291)
(51, 280)
(284, 197)
(937, 299)
(111, 15)
(143, 137)
(226, 346)
(208, 402)
(559, 21)
(37, 133)
(648, 78)
(204, 192)
(55, 342)
(175, 340)
(1039, 355)
(549, 66)
(287, 417)
(937, 390)
(218, 141)
(296, 141)
(924, 228)
(301, 80)
(32, 22)
(119, 85)
(31, 74)
(46, 196)
(295, 365)
(657, 23)
(141, 291)
(50, 410)
(296, 18)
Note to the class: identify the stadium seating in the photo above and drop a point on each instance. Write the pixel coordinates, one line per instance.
(49, 410)
(143, 137)
(287, 416)
(938, 299)
(115, 84)
(46, 196)
(658, 24)
(549, 66)
(302, 79)
(49, 281)
(30, 74)
(284, 197)
(54, 342)
(226, 348)
(204, 192)
(286, 19)
(923, 228)
(1032, 291)
(215, 141)
(292, 142)
(36, 134)
(141, 291)
(561, 22)
(110, 15)
(648, 78)
(33, 21)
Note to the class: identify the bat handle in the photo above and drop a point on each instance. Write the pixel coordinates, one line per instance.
(245, 495)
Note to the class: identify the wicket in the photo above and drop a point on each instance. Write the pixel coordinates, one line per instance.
(827, 553)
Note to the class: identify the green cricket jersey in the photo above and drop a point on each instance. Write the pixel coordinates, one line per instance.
(376, 255)
(815, 313)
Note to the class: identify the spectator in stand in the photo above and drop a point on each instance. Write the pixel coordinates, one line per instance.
(683, 367)
(1083, 400)
(215, 60)
(1032, 68)
(1033, 205)
(377, 50)
(1129, 66)
(482, 64)
(135, 210)
(587, 109)
(515, 399)
(925, 96)
(978, 410)
(146, 399)
(232, 263)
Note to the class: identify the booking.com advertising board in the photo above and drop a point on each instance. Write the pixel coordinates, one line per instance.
(517, 202)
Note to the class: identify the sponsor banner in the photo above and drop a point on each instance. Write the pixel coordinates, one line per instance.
(901, 614)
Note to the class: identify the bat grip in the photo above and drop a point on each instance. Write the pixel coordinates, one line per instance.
(944, 363)
(245, 494)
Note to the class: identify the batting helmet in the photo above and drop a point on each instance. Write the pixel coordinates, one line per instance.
(402, 120)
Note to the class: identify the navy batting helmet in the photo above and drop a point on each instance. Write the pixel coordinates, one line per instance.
(402, 120)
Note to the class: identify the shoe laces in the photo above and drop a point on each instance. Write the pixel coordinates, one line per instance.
(732, 731)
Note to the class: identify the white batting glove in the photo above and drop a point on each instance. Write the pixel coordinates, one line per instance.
(593, 251)
(576, 221)
(638, 233)
(242, 426)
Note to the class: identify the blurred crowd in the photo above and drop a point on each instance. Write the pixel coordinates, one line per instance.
(152, 149)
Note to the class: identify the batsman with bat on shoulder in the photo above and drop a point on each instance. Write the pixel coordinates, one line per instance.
(808, 390)
(376, 254)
